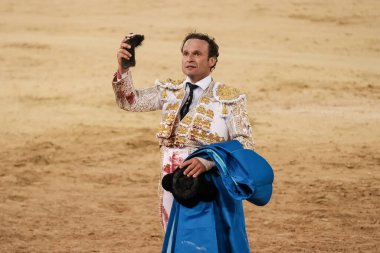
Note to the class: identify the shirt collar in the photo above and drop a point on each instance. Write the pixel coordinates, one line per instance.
(204, 83)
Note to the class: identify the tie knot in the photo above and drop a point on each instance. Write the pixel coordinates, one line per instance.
(192, 86)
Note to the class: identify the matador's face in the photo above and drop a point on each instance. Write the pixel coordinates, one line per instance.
(195, 61)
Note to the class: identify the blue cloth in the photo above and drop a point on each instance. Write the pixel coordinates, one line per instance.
(219, 226)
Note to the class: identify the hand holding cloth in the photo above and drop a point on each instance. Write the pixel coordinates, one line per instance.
(218, 226)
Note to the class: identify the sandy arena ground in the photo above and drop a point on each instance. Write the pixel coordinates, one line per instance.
(80, 175)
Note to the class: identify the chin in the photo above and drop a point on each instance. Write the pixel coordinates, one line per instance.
(189, 74)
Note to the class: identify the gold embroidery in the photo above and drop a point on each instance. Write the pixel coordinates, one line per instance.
(169, 118)
(239, 124)
(182, 130)
(224, 110)
(173, 106)
(180, 94)
(198, 121)
(187, 120)
(176, 82)
(206, 137)
(212, 138)
(202, 123)
(164, 131)
(205, 100)
(164, 95)
(201, 110)
(209, 113)
(194, 133)
(180, 141)
(227, 93)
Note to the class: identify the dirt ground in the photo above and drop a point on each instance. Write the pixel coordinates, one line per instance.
(78, 174)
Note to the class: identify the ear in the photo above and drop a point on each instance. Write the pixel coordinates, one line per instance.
(211, 61)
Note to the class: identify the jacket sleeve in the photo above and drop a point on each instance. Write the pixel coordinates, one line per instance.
(131, 99)
(238, 124)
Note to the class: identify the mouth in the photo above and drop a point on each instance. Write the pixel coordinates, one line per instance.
(190, 67)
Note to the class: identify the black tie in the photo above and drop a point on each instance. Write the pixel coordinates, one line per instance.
(186, 106)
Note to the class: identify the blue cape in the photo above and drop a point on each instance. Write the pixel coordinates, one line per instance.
(219, 226)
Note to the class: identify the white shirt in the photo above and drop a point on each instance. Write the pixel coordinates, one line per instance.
(197, 93)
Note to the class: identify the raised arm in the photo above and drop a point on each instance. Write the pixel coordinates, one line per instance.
(131, 99)
(127, 97)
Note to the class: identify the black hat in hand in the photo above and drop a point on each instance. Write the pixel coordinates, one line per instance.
(134, 40)
(188, 191)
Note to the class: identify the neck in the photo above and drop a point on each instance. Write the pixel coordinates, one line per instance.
(197, 79)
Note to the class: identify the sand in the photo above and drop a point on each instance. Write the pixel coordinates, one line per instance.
(80, 175)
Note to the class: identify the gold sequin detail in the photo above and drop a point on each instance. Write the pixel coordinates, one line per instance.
(206, 137)
(202, 123)
(224, 109)
(205, 100)
(227, 93)
(169, 118)
(164, 95)
(209, 113)
(164, 131)
(179, 141)
(186, 120)
(176, 82)
(180, 94)
(182, 130)
(173, 106)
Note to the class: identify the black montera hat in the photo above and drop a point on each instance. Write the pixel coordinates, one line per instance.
(134, 40)
(188, 191)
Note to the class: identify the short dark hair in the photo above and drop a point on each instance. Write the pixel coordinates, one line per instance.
(213, 48)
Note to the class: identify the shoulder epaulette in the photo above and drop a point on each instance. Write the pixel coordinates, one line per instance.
(226, 94)
(171, 84)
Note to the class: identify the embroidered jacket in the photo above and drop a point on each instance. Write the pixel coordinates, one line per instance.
(219, 115)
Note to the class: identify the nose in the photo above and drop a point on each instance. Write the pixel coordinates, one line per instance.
(189, 58)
